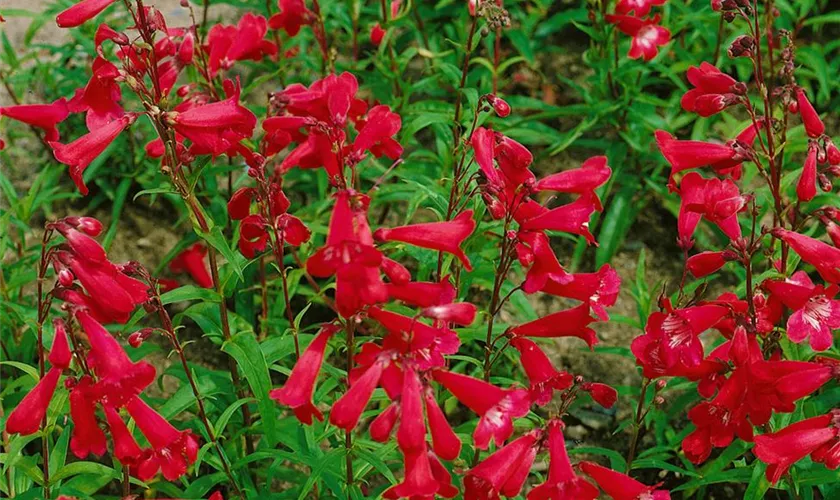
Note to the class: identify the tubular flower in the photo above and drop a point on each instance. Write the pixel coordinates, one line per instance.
(639, 8)
(447, 236)
(87, 437)
(81, 12)
(621, 486)
(814, 126)
(599, 290)
(78, 154)
(533, 248)
(713, 90)
(687, 155)
(815, 312)
(293, 14)
(376, 133)
(568, 323)
(100, 98)
(705, 263)
(497, 407)
(245, 41)
(425, 477)
(423, 293)
(445, 442)
(570, 218)
(347, 410)
(718, 201)
(562, 482)
(350, 255)
(543, 377)
(27, 416)
(817, 436)
(119, 379)
(299, 388)
(191, 261)
(592, 174)
(806, 188)
(44, 116)
(680, 330)
(218, 127)
(462, 313)
(126, 449)
(501, 472)
(647, 35)
(822, 256)
(172, 451)
(603, 394)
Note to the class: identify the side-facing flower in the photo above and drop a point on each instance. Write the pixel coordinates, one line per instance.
(712, 92)
(172, 451)
(562, 482)
(446, 236)
(502, 472)
(84, 10)
(191, 261)
(43, 116)
(815, 311)
(567, 323)
(814, 126)
(621, 486)
(817, 436)
(647, 35)
(543, 377)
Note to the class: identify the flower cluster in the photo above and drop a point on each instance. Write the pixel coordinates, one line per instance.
(630, 18)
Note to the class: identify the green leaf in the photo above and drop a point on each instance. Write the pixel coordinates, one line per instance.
(189, 292)
(76, 468)
(245, 349)
(217, 239)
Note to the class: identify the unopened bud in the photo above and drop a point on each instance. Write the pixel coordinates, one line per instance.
(825, 183)
(832, 153)
(65, 278)
(658, 401)
(742, 46)
(578, 379)
(137, 338)
(501, 107)
(185, 3)
(660, 384)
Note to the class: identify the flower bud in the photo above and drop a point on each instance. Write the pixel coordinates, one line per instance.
(825, 183)
(89, 226)
(658, 401)
(66, 278)
(136, 339)
(501, 107)
(742, 46)
(832, 153)
(660, 384)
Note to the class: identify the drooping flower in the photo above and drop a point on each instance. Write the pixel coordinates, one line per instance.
(718, 201)
(496, 406)
(599, 289)
(713, 90)
(172, 451)
(815, 311)
(705, 263)
(592, 174)
(27, 416)
(87, 437)
(422, 479)
(376, 133)
(298, 390)
(621, 486)
(126, 449)
(814, 126)
(445, 442)
(534, 251)
(217, 127)
(346, 411)
(120, 379)
(647, 35)
(567, 323)
(100, 98)
(191, 261)
(43, 116)
(350, 255)
(562, 482)
(686, 155)
(78, 154)
(423, 293)
(446, 236)
(82, 11)
(824, 257)
(543, 377)
(501, 472)
(816, 436)
(570, 218)
(806, 188)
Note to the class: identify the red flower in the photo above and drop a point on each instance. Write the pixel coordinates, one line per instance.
(592, 174)
(375, 134)
(349, 407)
(298, 390)
(599, 289)
(191, 260)
(172, 452)
(621, 486)
(411, 435)
(423, 293)
(713, 90)
(639, 8)
(647, 35)
(705, 263)
(126, 449)
(816, 313)
(603, 394)
(350, 255)
(534, 249)
(27, 416)
(81, 12)
(814, 126)
(293, 14)
(817, 436)
(446, 236)
(562, 482)
(806, 188)
(680, 330)
(567, 323)
(718, 201)
(43, 116)
(377, 34)
(100, 98)
(245, 41)
(462, 313)
(445, 442)
(501, 472)
(542, 375)
(822, 256)
(87, 436)
(425, 477)
(119, 378)
(570, 218)
(78, 154)
(216, 128)
(497, 407)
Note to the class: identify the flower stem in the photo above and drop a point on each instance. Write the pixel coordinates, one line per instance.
(637, 426)
(348, 436)
(43, 312)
